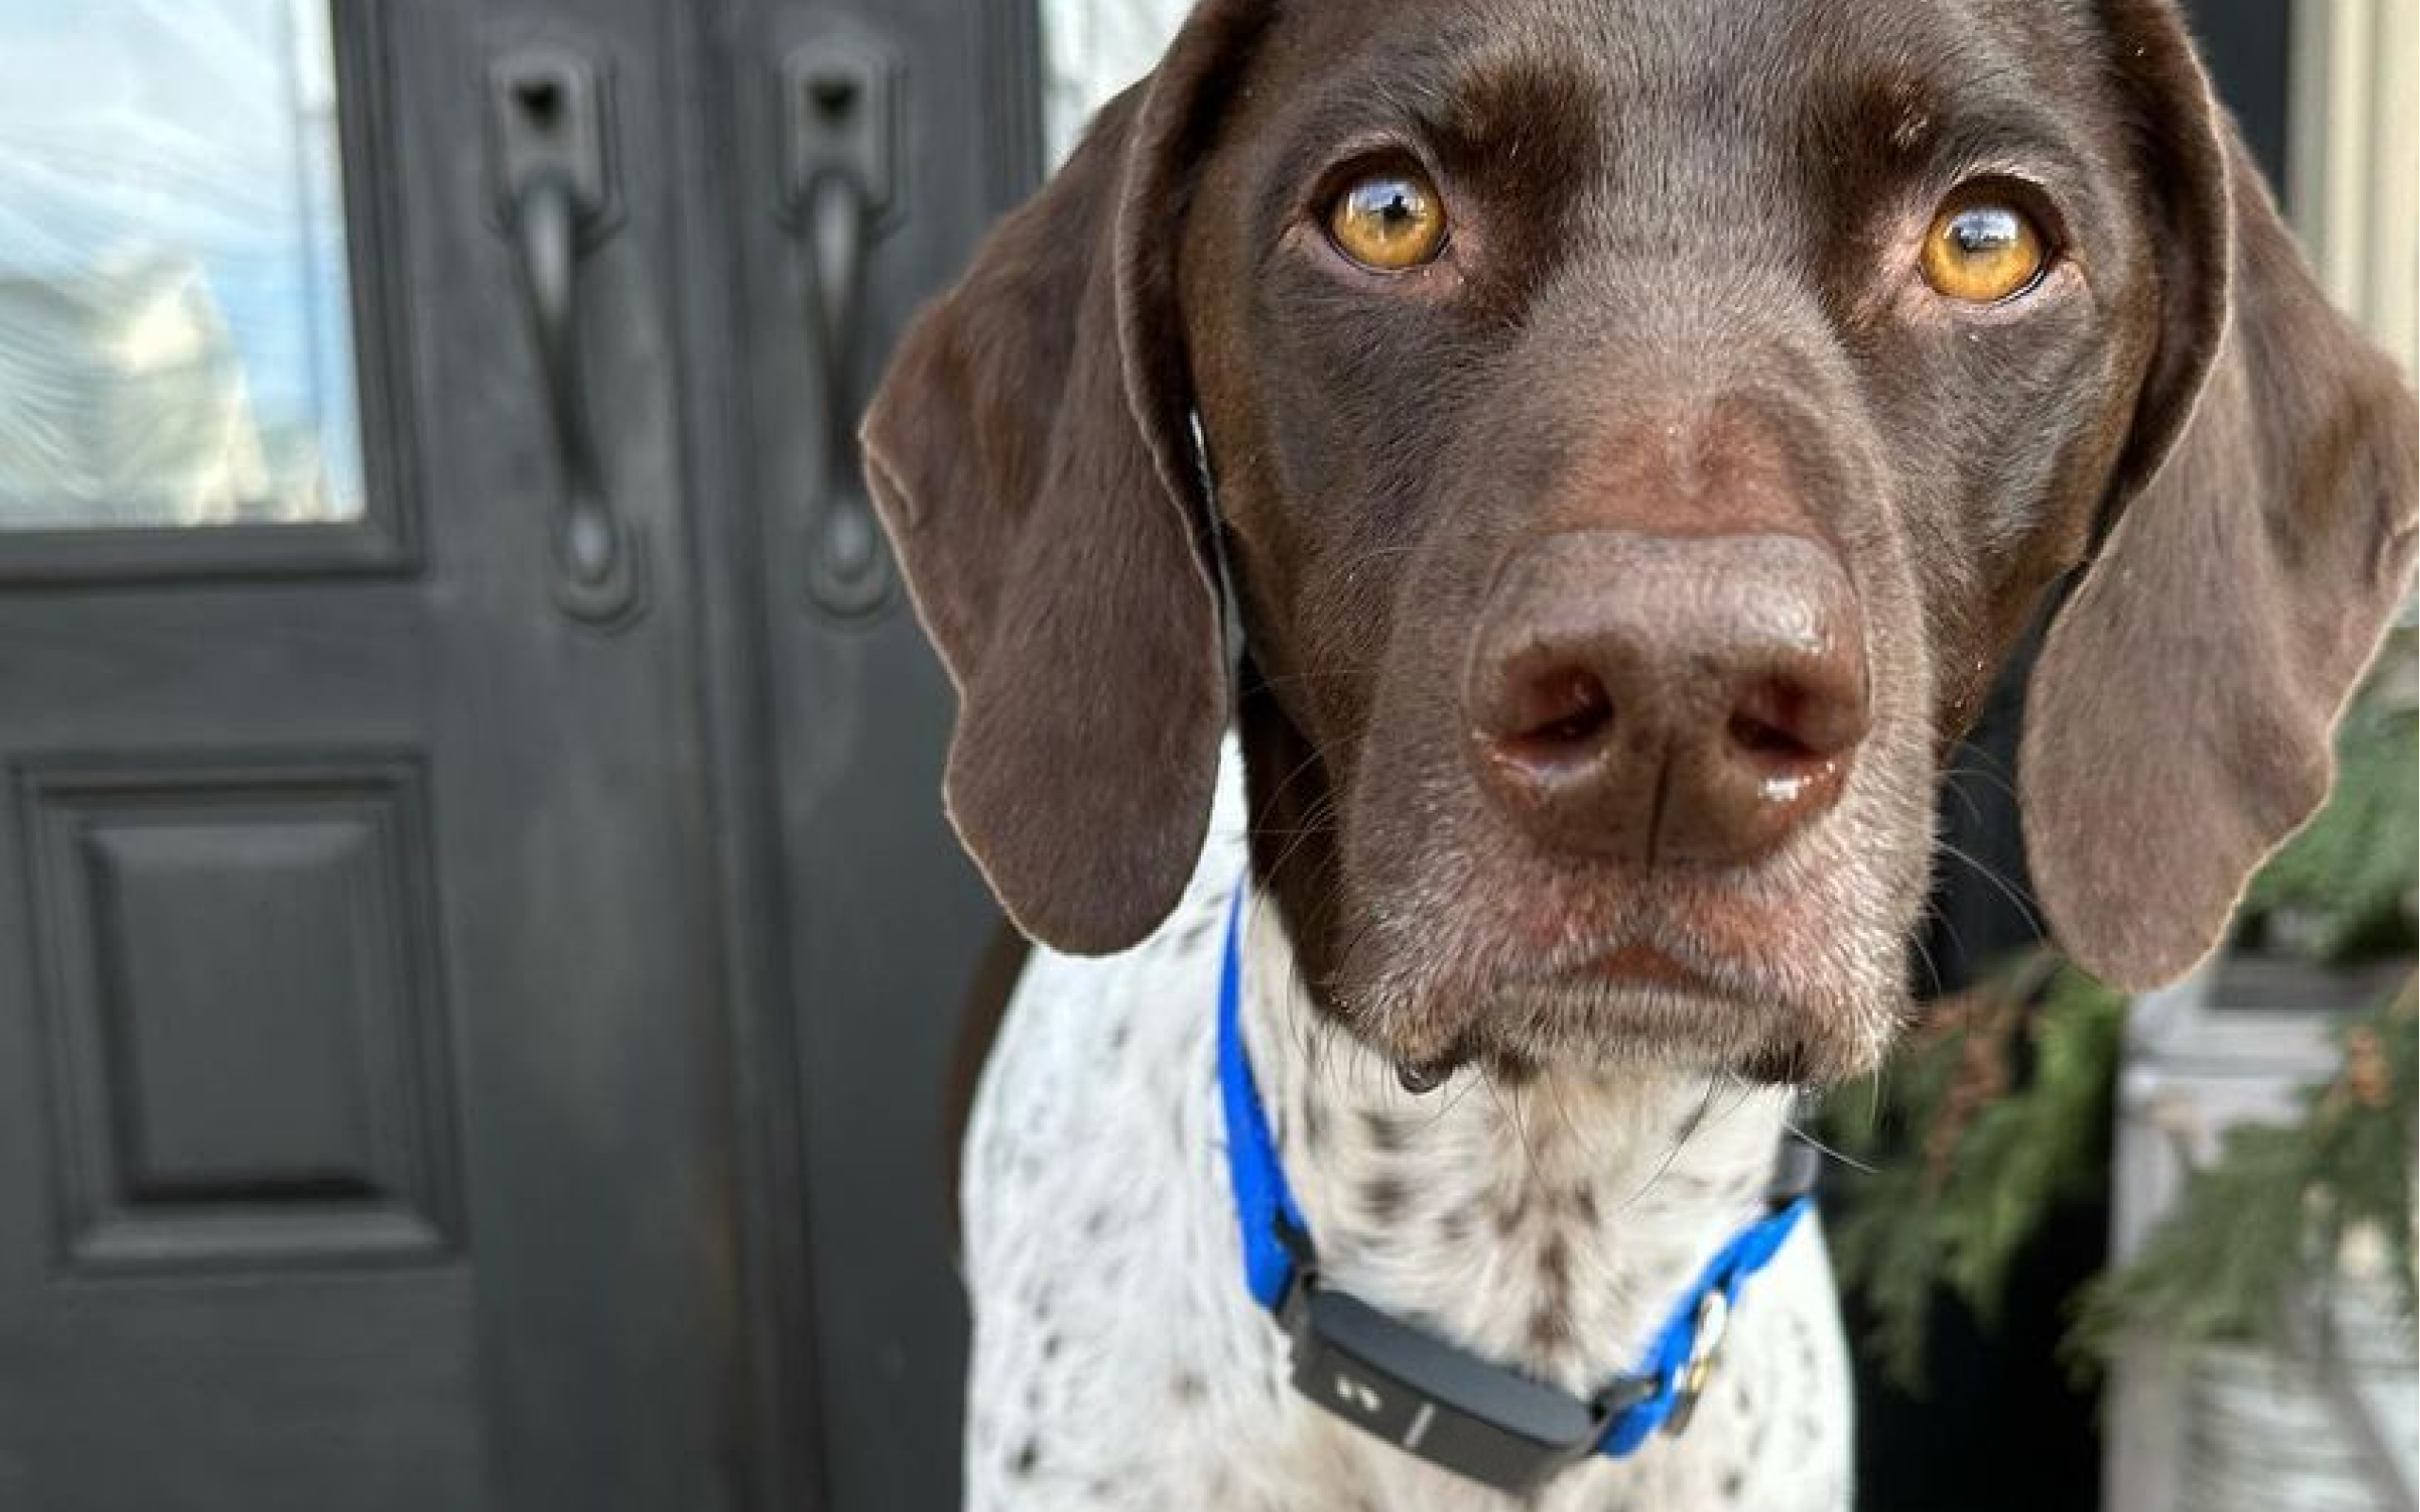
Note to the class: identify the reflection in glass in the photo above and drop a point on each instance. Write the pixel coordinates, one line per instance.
(176, 347)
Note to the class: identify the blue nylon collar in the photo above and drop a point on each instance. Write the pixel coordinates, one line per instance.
(1279, 1255)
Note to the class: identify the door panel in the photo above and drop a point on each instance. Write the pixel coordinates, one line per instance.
(174, 1152)
(364, 1137)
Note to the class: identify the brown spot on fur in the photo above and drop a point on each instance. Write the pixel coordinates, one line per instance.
(1549, 1329)
(1555, 1265)
(1549, 1326)
(1385, 1133)
(1510, 1214)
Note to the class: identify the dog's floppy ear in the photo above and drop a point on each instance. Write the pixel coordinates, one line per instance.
(1028, 455)
(2179, 721)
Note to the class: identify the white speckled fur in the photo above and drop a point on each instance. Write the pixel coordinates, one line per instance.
(1119, 1362)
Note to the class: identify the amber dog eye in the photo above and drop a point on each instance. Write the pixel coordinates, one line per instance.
(1388, 221)
(1981, 250)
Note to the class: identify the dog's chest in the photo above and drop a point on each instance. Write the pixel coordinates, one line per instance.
(1119, 1362)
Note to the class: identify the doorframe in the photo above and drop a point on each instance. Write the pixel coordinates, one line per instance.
(778, 1448)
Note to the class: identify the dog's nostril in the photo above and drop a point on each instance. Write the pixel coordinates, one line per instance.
(1781, 724)
(1588, 720)
(1571, 707)
(1764, 739)
(1561, 712)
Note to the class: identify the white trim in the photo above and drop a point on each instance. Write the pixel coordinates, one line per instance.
(2353, 188)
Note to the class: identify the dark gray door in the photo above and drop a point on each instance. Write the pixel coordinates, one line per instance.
(362, 1138)
(902, 127)
(476, 934)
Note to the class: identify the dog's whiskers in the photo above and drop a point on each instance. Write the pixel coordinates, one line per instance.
(1687, 1131)
(1798, 1130)
(2007, 890)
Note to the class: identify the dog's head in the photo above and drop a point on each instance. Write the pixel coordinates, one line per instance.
(1638, 433)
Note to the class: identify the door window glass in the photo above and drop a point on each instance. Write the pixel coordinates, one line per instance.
(176, 343)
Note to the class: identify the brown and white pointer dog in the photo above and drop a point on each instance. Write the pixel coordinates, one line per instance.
(1637, 433)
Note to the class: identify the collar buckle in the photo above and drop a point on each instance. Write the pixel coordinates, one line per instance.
(1705, 1352)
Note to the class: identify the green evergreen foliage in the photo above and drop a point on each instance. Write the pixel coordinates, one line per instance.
(2344, 886)
(1996, 1158)
(2045, 1142)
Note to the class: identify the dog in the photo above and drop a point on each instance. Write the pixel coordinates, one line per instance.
(1595, 456)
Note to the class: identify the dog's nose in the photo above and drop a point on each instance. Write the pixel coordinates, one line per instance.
(1666, 698)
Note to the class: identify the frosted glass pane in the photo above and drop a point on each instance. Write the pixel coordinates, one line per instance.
(176, 345)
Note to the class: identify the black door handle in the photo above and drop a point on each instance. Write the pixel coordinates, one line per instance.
(549, 150)
(839, 97)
